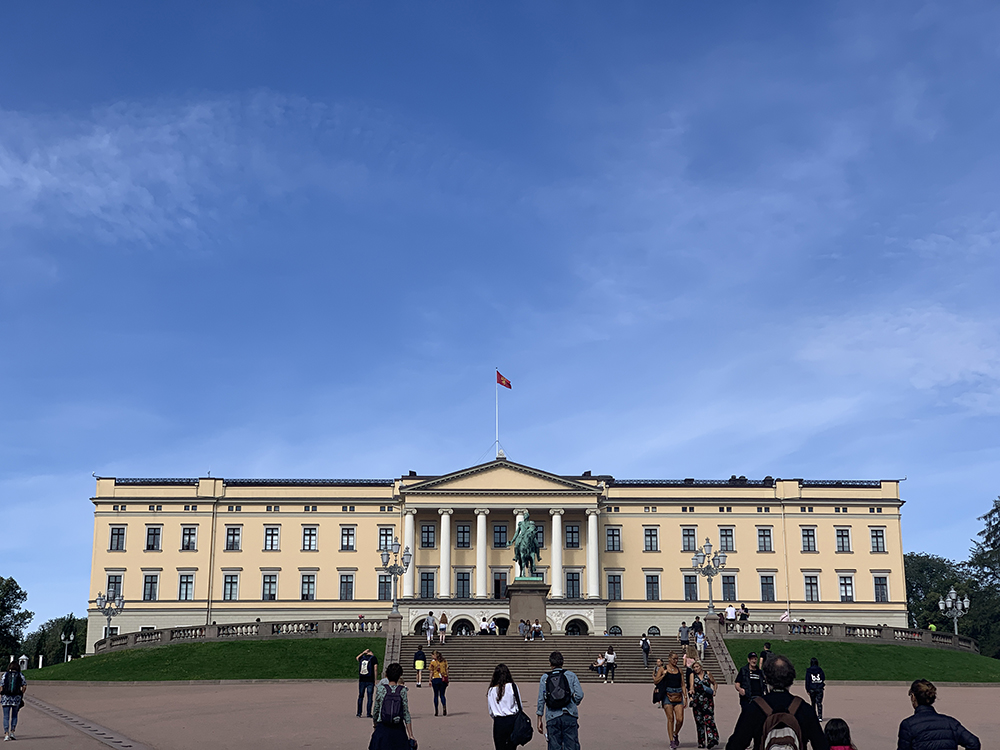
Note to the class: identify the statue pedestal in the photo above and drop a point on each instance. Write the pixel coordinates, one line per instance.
(527, 602)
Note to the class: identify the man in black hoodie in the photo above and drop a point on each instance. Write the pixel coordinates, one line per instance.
(816, 685)
(929, 730)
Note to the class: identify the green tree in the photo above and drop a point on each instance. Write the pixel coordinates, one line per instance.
(13, 619)
(984, 556)
(47, 640)
(928, 578)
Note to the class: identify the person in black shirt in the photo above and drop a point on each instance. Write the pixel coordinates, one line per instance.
(750, 681)
(367, 669)
(779, 672)
(815, 685)
(697, 625)
(765, 654)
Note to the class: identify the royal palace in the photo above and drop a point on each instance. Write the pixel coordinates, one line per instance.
(616, 553)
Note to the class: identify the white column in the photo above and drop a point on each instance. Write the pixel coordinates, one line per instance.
(556, 569)
(593, 561)
(444, 587)
(482, 579)
(409, 540)
(518, 518)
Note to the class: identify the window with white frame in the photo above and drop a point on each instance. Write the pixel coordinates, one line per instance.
(185, 587)
(881, 588)
(764, 539)
(463, 584)
(310, 538)
(572, 584)
(767, 588)
(614, 586)
(347, 538)
(233, 538)
(114, 587)
(463, 536)
(231, 587)
(428, 537)
(153, 535)
(540, 536)
(843, 540)
(689, 539)
(189, 538)
(572, 532)
(385, 588)
(727, 540)
(729, 588)
(651, 539)
(499, 535)
(811, 583)
(117, 541)
(385, 538)
(613, 536)
(346, 587)
(690, 588)
(652, 587)
(272, 536)
(878, 540)
(808, 539)
(269, 588)
(150, 585)
(307, 591)
(847, 588)
(427, 588)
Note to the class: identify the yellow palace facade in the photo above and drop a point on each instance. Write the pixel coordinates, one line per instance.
(617, 554)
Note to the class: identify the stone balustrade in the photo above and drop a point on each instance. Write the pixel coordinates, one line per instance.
(243, 631)
(815, 631)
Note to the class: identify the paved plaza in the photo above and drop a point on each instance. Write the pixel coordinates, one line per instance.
(322, 715)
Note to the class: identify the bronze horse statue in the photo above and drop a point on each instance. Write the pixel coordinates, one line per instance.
(525, 544)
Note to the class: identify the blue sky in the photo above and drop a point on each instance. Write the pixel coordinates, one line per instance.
(294, 240)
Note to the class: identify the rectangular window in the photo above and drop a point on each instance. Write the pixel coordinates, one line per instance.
(463, 585)
(688, 540)
(651, 540)
(114, 588)
(846, 589)
(113, 630)
(881, 588)
(812, 588)
(463, 536)
(843, 540)
(808, 540)
(729, 588)
(271, 536)
(233, 538)
(572, 536)
(309, 538)
(231, 587)
(540, 536)
(385, 588)
(726, 541)
(270, 588)
(614, 538)
(690, 588)
(347, 538)
(153, 537)
(614, 586)
(189, 538)
(499, 535)
(149, 586)
(767, 588)
(346, 587)
(308, 590)
(384, 539)
(117, 543)
(572, 585)
(764, 540)
(878, 540)
(499, 584)
(427, 590)
(652, 588)
(185, 587)
(427, 536)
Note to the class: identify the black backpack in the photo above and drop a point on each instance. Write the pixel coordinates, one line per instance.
(557, 692)
(11, 684)
(392, 706)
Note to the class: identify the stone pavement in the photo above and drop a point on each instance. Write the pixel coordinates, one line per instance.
(322, 715)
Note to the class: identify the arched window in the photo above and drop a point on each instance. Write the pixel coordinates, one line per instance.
(652, 630)
(576, 627)
(614, 630)
(463, 627)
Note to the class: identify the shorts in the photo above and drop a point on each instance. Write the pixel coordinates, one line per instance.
(443, 628)
(678, 696)
(418, 665)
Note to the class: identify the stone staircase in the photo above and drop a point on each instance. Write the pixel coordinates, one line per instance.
(473, 658)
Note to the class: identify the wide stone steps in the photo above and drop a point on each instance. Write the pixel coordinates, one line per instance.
(473, 658)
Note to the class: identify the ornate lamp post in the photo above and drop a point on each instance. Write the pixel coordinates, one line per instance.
(395, 570)
(710, 566)
(953, 607)
(67, 639)
(110, 608)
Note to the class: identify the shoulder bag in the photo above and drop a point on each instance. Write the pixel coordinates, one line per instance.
(522, 731)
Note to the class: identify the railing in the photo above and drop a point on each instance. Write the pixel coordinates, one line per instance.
(848, 633)
(244, 631)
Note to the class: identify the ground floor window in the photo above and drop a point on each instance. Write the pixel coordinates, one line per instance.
(499, 584)
(346, 587)
(652, 588)
(572, 585)
(881, 589)
(385, 588)
(231, 588)
(185, 588)
(308, 593)
(846, 589)
(767, 588)
(614, 586)
(427, 585)
(149, 586)
(812, 588)
(270, 588)
(690, 588)
(463, 585)
(729, 588)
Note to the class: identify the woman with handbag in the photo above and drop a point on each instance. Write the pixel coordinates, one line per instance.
(511, 726)
(702, 687)
(439, 680)
(673, 697)
(12, 687)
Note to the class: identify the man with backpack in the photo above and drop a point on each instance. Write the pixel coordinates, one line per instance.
(644, 645)
(559, 694)
(779, 719)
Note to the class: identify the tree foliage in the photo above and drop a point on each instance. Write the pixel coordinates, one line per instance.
(47, 640)
(13, 619)
(984, 556)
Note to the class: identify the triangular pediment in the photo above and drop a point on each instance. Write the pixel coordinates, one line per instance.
(499, 477)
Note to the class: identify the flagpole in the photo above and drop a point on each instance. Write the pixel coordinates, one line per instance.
(496, 389)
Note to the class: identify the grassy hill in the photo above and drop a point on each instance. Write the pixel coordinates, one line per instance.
(326, 658)
(867, 661)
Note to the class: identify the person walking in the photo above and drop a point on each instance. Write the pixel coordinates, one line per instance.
(697, 626)
(419, 662)
(439, 680)
(750, 681)
(815, 686)
(12, 687)
(430, 627)
(929, 730)
(559, 698)
(503, 702)
(684, 633)
(838, 734)
(701, 693)
(699, 642)
(367, 671)
(779, 672)
(644, 645)
(609, 664)
(442, 628)
(393, 725)
(673, 696)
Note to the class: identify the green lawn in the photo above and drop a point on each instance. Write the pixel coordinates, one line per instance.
(867, 661)
(323, 658)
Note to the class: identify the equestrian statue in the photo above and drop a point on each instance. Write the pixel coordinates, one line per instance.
(525, 545)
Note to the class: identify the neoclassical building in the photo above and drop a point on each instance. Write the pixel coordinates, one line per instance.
(617, 553)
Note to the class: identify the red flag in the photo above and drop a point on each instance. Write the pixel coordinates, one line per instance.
(502, 380)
